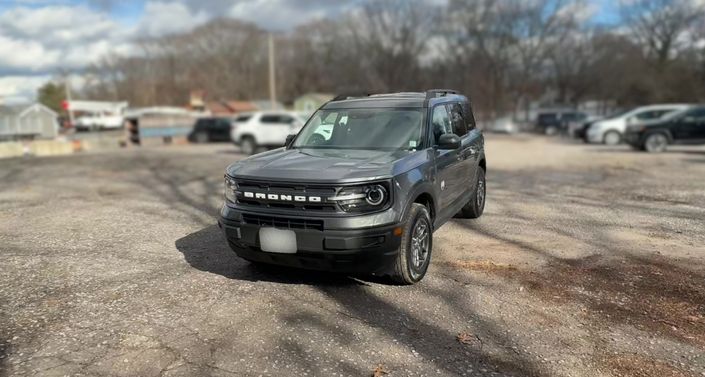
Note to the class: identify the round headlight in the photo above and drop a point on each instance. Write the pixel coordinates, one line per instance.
(375, 195)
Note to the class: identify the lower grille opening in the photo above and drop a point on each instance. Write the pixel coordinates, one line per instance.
(283, 222)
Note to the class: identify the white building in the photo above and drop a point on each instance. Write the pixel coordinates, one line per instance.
(30, 121)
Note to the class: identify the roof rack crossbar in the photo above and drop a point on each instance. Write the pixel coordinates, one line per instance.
(433, 93)
(341, 97)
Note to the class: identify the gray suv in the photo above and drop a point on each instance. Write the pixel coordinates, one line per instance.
(362, 187)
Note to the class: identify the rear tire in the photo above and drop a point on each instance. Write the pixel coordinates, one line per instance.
(201, 138)
(476, 206)
(248, 145)
(414, 254)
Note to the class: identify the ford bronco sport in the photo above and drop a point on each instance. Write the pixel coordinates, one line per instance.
(362, 187)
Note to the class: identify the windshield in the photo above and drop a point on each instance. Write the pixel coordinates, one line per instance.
(618, 114)
(375, 129)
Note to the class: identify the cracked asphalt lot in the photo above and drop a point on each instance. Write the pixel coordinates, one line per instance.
(589, 261)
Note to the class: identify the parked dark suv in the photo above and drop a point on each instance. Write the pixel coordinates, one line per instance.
(682, 127)
(211, 129)
(553, 122)
(362, 187)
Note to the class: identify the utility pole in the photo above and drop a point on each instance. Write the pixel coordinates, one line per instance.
(272, 73)
(67, 88)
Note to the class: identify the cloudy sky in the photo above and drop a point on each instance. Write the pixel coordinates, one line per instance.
(40, 38)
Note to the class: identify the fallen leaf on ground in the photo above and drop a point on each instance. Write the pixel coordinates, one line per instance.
(466, 338)
(379, 371)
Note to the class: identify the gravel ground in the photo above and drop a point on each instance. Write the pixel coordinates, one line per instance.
(589, 261)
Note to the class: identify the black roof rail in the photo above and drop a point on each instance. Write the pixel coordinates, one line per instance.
(341, 97)
(433, 93)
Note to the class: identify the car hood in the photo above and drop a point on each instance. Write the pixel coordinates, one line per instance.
(319, 165)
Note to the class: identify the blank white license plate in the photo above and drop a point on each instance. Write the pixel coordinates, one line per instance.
(274, 240)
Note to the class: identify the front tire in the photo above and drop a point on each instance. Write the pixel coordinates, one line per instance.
(414, 254)
(612, 138)
(656, 143)
(248, 145)
(476, 206)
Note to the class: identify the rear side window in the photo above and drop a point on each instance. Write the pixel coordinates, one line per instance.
(223, 123)
(569, 117)
(548, 118)
(243, 118)
(468, 115)
(457, 120)
(203, 124)
(271, 119)
(286, 119)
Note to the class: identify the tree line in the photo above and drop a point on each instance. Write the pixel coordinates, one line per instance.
(506, 54)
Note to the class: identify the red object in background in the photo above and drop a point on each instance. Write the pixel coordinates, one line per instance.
(65, 105)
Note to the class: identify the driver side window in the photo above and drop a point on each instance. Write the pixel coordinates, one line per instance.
(440, 122)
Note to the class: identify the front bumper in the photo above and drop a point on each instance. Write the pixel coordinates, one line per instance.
(368, 249)
(594, 135)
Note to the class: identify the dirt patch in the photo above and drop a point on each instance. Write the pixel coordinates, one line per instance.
(637, 366)
(649, 295)
(479, 265)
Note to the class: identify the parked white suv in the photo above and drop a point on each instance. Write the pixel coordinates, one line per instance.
(610, 130)
(264, 129)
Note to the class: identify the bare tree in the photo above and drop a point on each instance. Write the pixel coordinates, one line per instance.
(390, 39)
(663, 27)
(507, 54)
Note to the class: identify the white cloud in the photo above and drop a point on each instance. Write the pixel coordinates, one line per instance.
(55, 38)
(285, 14)
(58, 24)
(162, 18)
(20, 88)
(579, 11)
(19, 55)
(40, 38)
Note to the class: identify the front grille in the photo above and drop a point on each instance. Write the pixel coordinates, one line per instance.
(293, 189)
(283, 222)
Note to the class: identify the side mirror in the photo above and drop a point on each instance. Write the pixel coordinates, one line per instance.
(289, 140)
(449, 141)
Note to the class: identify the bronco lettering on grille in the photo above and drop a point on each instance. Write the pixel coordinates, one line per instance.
(282, 197)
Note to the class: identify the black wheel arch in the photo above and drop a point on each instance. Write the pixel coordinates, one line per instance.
(663, 131)
(421, 194)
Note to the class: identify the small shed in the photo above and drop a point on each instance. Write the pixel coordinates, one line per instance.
(30, 121)
(310, 102)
